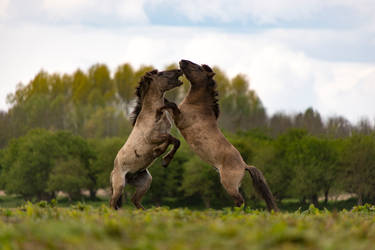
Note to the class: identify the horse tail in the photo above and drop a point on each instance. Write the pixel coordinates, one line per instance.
(262, 188)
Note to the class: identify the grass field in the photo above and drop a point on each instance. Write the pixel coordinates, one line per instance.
(80, 226)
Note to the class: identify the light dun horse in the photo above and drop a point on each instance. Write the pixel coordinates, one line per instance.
(196, 118)
(149, 138)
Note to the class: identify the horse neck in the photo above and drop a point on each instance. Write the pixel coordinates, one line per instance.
(154, 99)
(198, 95)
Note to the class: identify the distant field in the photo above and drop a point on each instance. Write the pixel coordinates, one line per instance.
(44, 226)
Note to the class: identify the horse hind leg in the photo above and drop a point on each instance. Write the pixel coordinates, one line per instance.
(231, 180)
(117, 186)
(142, 183)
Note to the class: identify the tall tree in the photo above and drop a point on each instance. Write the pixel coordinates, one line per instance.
(125, 81)
(241, 108)
(279, 123)
(358, 165)
(338, 127)
(311, 121)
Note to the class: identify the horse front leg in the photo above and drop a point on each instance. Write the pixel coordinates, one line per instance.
(168, 157)
(164, 141)
(170, 106)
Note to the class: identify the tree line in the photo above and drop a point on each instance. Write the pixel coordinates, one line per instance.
(62, 133)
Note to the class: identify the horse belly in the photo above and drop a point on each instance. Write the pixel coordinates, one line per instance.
(201, 146)
(135, 157)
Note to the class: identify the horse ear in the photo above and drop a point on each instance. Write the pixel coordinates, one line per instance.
(148, 75)
(207, 68)
(153, 72)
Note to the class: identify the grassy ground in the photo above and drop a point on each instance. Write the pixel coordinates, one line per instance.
(288, 205)
(81, 226)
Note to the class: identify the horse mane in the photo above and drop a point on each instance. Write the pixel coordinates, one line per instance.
(140, 92)
(211, 87)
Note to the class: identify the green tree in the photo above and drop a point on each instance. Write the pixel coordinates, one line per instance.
(166, 187)
(200, 179)
(358, 166)
(27, 164)
(106, 122)
(311, 121)
(125, 83)
(30, 161)
(281, 160)
(105, 152)
(241, 107)
(315, 164)
(102, 87)
(280, 123)
(5, 129)
(338, 127)
(80, 87)
(70, 150)
(69, 176)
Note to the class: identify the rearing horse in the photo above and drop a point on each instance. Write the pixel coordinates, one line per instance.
(196, 118)
(149, 138)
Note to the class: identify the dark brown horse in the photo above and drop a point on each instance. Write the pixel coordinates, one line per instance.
(149, 138)
(196, 118)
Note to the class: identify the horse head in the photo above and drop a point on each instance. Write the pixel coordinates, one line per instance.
(195, 73)
(164, 80)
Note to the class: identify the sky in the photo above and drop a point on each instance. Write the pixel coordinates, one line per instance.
(295, 53)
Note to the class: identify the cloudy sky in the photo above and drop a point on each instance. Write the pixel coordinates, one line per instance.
(296, 53)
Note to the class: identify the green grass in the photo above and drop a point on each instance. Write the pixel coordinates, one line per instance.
(81, 226)
(287, 205)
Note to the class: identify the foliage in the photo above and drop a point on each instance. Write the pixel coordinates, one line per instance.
(105, 151)
(41, 162)
(302, 156)
(45, 226)
(358, 164)
(27, 164)
(241, 107)
(68, 176)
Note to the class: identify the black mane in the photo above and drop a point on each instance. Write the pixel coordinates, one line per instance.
(140, 93)
(214, 94)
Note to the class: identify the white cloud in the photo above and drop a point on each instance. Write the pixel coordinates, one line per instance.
(75, 11)
(109, 12)
(270, 11)
(284, 77)
(57, 9)
(132, 11)
(3, 8)
(64, 5)
(346, 88)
